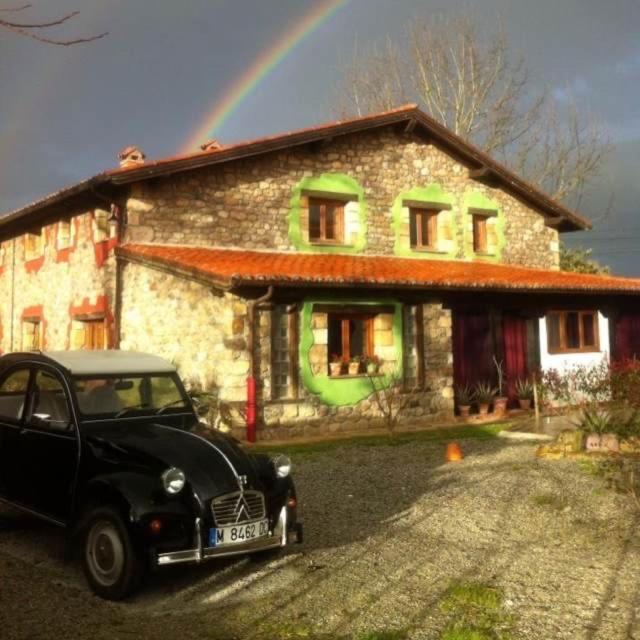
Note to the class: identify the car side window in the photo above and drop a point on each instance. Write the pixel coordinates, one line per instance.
(50, 407)
(13, 394)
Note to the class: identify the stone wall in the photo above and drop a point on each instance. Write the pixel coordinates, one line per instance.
(204, 333)
(246, 203)
(70, 275)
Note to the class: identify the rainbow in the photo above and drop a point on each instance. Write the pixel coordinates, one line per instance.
(266, 62)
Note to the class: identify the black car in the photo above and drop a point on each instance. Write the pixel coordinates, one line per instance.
(108, 444)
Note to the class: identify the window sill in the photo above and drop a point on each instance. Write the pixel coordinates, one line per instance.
(427, 250)
(571, 352)
(484, 254)
(342, 376)
(319, 243)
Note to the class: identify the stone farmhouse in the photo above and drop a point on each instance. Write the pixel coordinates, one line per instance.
(273, 271)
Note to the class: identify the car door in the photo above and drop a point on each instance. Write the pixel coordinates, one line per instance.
(14, 385)
(49, 445)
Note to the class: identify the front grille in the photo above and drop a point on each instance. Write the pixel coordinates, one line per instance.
(234, 508)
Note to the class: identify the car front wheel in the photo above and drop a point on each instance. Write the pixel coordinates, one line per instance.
(110, 562)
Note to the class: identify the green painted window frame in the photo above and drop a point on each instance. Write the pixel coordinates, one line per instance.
(432, 195)
(481, 202)
(339, 186)
(344, 391)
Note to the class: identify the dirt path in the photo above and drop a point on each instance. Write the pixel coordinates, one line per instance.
(388, 528)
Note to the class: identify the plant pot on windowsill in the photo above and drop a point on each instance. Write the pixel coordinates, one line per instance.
(372, 369)
(354, 368)
(335, 368)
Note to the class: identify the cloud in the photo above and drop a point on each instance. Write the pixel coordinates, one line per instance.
(630, 66)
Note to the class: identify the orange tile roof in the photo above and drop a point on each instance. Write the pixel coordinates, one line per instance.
(232, 268)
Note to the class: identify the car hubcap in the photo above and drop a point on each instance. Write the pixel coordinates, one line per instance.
(105, 553)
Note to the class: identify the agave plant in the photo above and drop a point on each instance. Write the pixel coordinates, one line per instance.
(524, 389)
(484, 393)
(464, 395)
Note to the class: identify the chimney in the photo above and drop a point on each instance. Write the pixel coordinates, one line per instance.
(131, 157)
(211, 145)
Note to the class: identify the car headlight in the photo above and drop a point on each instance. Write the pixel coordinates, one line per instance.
(173, 480)
(282, 465)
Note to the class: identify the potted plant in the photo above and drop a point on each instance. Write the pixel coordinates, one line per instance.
(484, 394)
(372, 364)
(598, 426)
(500, 402)
(354, 365)
(524, 389)
(464, 398)
(335, 366)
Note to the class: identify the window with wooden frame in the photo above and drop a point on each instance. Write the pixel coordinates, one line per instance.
(572, 331)
(350, 336)
(423, 228)
(284, 352)
(101, 231)
(326, 221)
(480, 244)
(89, 334)
(63, 234)
(32, 334)
(413, 346)
(33, 246)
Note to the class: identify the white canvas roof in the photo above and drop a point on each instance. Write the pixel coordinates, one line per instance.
(110, 362)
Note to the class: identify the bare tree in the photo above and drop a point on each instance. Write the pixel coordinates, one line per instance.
(389, 398)
(37, 29)
(471, 82)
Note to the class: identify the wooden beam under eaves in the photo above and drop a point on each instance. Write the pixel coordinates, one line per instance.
(410, 126)
(481, 173)
(554, 222)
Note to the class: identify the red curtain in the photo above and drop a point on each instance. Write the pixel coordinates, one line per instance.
(627, 335)
(514, 333)
(472, 348)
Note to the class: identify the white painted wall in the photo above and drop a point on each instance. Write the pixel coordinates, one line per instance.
(564, 361)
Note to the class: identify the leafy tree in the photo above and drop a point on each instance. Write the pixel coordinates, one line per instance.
(468, 79)
(579, 259)
(36, 29)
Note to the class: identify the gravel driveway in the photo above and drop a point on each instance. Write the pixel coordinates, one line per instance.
(388, 528)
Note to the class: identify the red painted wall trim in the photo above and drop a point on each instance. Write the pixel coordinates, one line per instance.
(62, 255)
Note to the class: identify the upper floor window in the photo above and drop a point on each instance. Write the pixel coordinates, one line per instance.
(572, 331)
(33, 246)
(480, 243)
(423, 228)
(101, 231)
(326, 221)
(63, 235)
(89, 334)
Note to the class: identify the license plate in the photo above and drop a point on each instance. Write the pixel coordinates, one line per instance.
(238, 533)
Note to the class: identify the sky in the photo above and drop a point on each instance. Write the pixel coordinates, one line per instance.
(66, 112)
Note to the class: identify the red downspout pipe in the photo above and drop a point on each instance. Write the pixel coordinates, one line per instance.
(251, 380)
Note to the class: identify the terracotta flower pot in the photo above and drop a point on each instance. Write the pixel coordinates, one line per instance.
(335, 368)
(464, 410)
(610, 442)
(525, 403)
(483, 408)
(593, 442)
(500, 406)
(354, 368)
(372, 369)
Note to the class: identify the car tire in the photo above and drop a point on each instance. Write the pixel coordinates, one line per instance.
(111, 564)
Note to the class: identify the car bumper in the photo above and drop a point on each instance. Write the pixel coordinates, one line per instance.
(279, 537)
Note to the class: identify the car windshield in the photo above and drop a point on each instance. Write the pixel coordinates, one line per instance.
(105, 397)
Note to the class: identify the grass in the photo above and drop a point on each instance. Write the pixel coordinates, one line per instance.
(442, 434)
(301, 632)
(476, 612)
